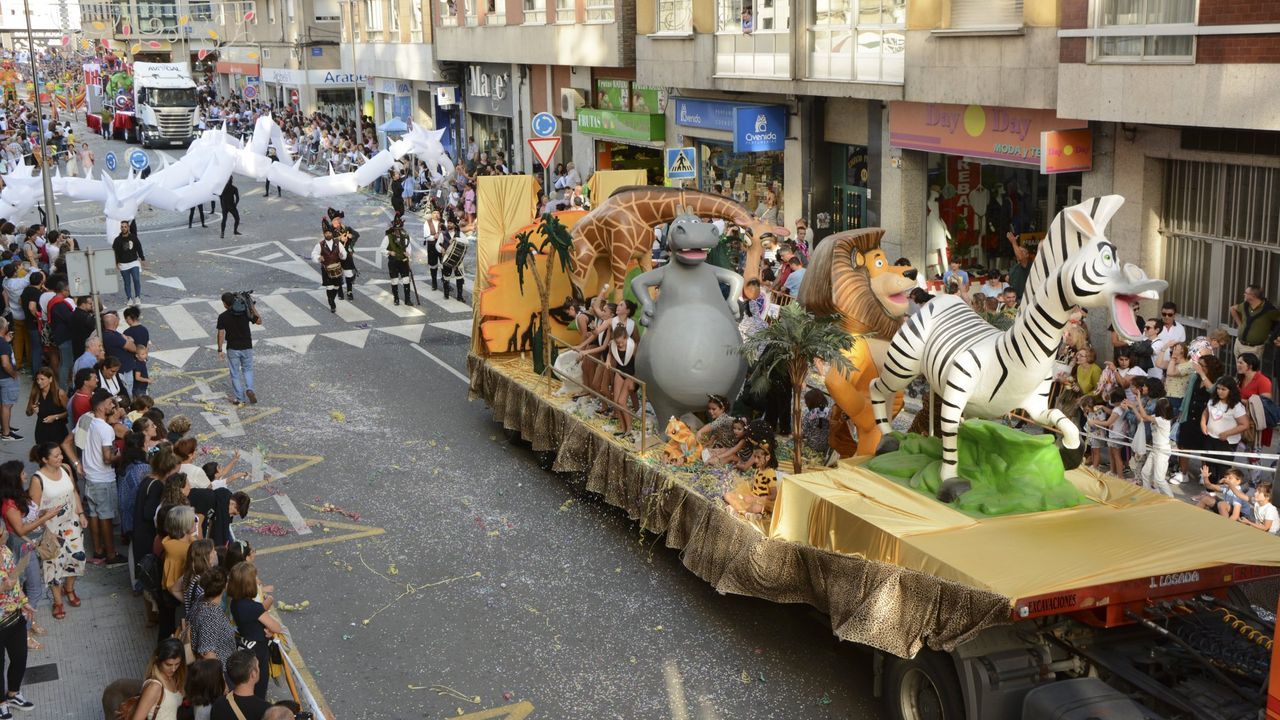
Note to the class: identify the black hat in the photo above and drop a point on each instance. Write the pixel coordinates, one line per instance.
(332, 213)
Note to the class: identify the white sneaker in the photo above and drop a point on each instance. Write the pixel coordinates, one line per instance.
(1177, 479)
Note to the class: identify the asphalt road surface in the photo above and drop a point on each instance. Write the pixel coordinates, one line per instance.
(450, 575)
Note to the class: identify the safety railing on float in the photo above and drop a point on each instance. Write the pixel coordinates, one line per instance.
(638, 417)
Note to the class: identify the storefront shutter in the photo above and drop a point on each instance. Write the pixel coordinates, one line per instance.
(986, 14)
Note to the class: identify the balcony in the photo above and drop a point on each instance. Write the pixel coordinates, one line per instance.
(598, 41)
(759, 54)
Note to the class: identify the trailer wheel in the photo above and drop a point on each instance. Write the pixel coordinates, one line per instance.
(923, 688)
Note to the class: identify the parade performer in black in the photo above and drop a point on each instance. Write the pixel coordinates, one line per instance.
(431, 229)
(348, 237)
(230, 197)
(452, 247)
(395, 245)
(329, 254)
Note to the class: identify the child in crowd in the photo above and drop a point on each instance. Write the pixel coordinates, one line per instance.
(1157, 462)
(758, 498)
(1093, 411)
(738, 452)
(141, 404)
(1117, 433)
(718, 432)
(816, 422)
(1265, 515)
(141, 377)
(179, 426)
(1235, 502)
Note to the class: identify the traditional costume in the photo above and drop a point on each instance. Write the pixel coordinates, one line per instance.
(452, 249)
(329, 254)
(395, 245)
(348, 237)
(431, 229)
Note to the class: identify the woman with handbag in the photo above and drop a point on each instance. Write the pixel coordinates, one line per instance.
(162, 685)
(27, 537)
(15, 611)
(52, 488)
(254, 624)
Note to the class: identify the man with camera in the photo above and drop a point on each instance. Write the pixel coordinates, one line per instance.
(235, 343)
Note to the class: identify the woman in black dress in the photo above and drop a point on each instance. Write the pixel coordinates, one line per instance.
(1208, 370)
(48, 403)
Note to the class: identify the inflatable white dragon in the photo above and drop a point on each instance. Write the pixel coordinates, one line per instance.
(200, 174)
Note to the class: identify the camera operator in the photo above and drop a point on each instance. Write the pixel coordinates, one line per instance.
(235, 343)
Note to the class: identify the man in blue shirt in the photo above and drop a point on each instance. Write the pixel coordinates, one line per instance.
(792, 285)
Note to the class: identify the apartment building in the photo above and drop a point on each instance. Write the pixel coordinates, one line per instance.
(573, 58)
(393, 51)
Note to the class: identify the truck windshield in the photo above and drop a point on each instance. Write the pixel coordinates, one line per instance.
(171, 97)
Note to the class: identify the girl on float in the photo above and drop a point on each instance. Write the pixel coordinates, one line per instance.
(622, 357)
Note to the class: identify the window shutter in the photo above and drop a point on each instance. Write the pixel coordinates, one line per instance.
(986, 13)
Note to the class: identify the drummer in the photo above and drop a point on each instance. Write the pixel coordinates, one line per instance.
(329, 254)
(452, 246)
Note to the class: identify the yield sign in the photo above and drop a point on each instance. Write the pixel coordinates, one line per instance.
(544, 148)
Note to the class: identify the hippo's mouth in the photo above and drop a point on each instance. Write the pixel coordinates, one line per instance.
(899, 298)
(692, 254)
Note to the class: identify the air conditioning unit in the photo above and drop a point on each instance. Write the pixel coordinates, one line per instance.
(570, 101)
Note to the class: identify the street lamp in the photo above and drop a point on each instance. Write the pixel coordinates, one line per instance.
(355, 86)
(52, 215)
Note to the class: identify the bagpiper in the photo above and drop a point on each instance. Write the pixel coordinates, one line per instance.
(329, 254)
(348, 237)
(452, 246)
(395, 245)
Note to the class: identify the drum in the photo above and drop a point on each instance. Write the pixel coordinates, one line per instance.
(454, 255)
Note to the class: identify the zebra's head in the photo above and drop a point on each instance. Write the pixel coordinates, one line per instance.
(1094, 275)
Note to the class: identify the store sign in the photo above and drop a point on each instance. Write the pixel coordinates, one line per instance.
(855, 167)
(1001, 133)
(647, 127)
(283, 76)
(758, 128)
(645, 99)
(489, 90)
(335, 77)
(613, 94)
(236, 68)
(1064, 151)
(388, 86)
(707, 114)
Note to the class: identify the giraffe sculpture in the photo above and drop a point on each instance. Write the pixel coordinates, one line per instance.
(620, 229)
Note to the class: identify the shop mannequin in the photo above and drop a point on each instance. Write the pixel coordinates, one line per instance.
(936, 236)
(979, 199)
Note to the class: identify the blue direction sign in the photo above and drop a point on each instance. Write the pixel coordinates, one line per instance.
(138, 159)
(111, 161)
(545, 124)
(682, 163)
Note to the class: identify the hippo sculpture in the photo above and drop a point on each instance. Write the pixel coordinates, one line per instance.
(691, 348)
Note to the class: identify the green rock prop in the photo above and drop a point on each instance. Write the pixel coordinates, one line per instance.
(1010, 471)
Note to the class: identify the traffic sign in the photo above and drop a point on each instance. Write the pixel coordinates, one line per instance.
(111, 162)
(544, 148)
(545, 125)
(138, 159)
(250, 92)
(682, 163)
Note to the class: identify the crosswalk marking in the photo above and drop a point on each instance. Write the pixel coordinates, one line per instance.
(181, 322)
(296, 343)
(462, 327)
(384, 298)
(176, 358)
(446, 304)
(354, 338)
(346, 310)
(408, 332)
(285, 308)
(272, 256)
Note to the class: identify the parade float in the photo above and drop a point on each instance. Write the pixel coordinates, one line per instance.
(1040, 590)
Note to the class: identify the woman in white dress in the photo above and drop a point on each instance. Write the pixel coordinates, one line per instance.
(52, 487)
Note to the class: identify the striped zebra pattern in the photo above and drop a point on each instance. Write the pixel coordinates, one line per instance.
(980, 371)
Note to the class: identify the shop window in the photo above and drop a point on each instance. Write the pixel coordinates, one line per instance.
(566, 11)
(535, 12)
(861, 40)
(1142, 15)
(986, 15)
(600, 11)
(448, 13)
(753, 38)
(675, 16)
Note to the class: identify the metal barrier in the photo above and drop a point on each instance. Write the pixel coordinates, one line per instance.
(638, 417)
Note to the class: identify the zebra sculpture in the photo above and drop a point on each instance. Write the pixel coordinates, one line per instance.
(984, 372)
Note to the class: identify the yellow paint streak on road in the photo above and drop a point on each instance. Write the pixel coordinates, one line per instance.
(517, 711)
(358, 532)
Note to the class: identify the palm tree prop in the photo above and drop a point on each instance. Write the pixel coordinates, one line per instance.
(794, 340)
(557, 244)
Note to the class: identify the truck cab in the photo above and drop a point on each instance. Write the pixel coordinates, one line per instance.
(164, 98)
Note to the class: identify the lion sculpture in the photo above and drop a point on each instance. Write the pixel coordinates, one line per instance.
(683, 447)
(849, 275)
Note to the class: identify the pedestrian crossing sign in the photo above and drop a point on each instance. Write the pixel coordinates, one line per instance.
(681, 164)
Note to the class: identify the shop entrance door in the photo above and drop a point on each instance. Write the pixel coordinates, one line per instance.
(850, 207)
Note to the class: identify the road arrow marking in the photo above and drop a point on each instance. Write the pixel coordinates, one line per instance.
(296, 343)
(171, 282)
(406, 332)
(462, 327)
(291, 512)
(354, 338)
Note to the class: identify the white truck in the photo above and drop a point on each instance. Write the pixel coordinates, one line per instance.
(164, 102)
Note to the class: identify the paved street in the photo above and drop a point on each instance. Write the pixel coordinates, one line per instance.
(444, 572)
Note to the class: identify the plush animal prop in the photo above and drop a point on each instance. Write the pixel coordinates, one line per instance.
(683, 446)
(984, 372)
(620, 229)
(568, 367)
(692, 347)
(850, 276)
